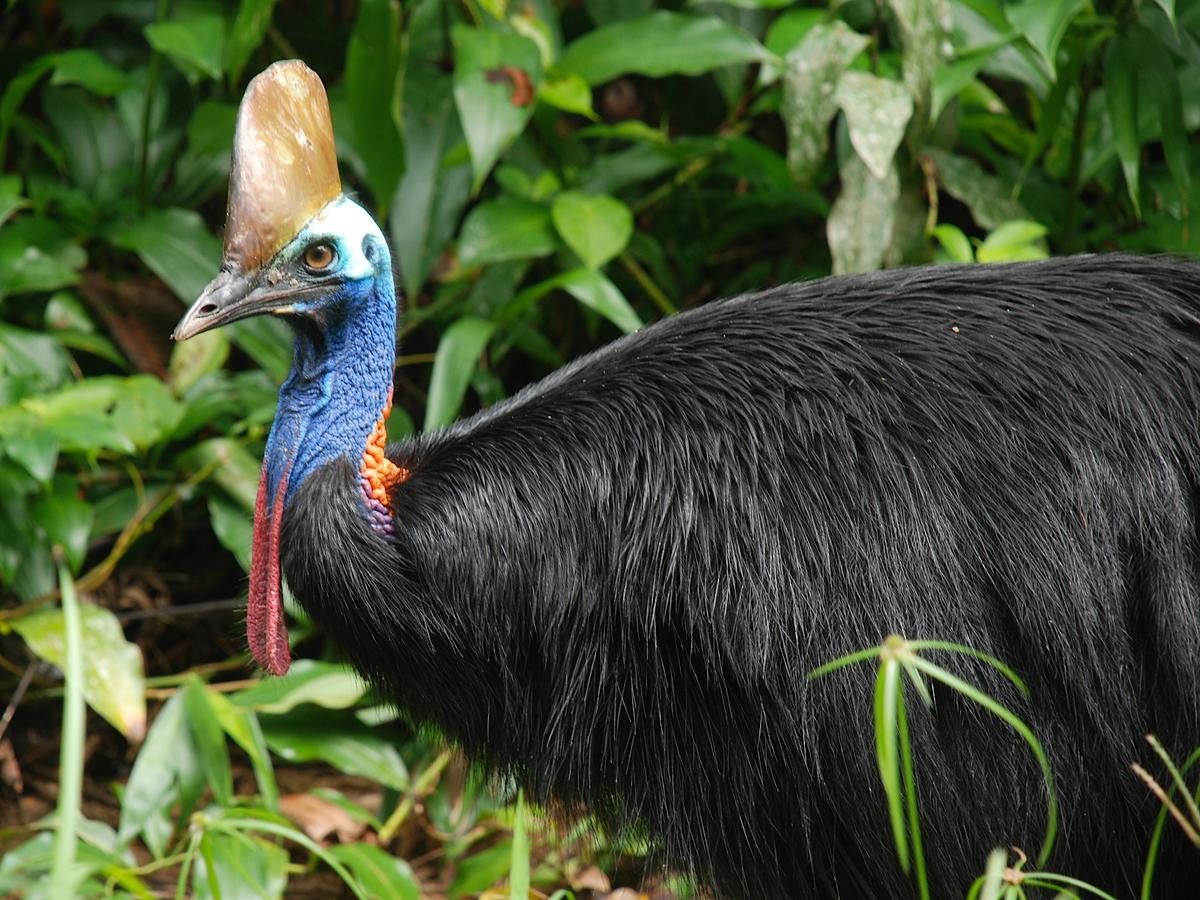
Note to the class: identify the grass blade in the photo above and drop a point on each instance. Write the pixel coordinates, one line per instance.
(887, 690)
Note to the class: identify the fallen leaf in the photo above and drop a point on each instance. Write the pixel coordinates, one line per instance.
(321, 819)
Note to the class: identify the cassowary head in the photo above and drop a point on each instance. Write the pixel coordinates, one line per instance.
(297, 247)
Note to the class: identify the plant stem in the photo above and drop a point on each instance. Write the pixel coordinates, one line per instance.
(70, 766)
(661, 300)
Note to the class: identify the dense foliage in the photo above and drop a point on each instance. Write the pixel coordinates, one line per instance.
(550, 175)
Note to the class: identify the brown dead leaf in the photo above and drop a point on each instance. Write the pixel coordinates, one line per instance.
(591, 879)
(10, 770)
(321, 819)
(522, 86)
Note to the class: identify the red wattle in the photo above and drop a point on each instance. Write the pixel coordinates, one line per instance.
(266, 629)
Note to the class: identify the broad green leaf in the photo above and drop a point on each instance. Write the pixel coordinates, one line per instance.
(33, 356)
(89, 69)
(859, 228)
(430, 195)
(35, 451)
(196, 44)
(166, 769)
(192, 359)
(1013, 241)
(373, 84)
(324, 684)
(496, 78)
(37, 255)
(338, 738)
(596, 226)
(1160, 74)
(600, 295)
(458, 353)
(479, 871)
(877, 112)
(569, 93)
(955, 243)
(17, 89)
(109, 412)
(661, 43)
(177, 246)
(113, 679)
(1168, 6)
(922, 25)
(232, 864)
(605, 12)
(210, 740)
(245, 34)
(66, 519)
(809, 103)
(1121, 69)
(232, 527)
(950, 80)
(506, 228)
(381, 875)
(1044, 23)
(988, 198)
(99, 153)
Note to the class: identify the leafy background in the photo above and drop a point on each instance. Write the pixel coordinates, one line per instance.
(551, 175)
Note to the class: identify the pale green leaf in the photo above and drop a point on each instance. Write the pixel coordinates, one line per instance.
(308, 681)
(382, 875)
(210, 740)
(245, 34)
(569, 93)
(955, 243)
(232, 527)
(859, 228)
(89, 69)
(194, 44)
(1013, 241)
(600, 295)
(232, 864)
(1044, 23)
(113, 678)
(877, 112)
(809, 104)
(335, 736)
(192, 359)
(596, 226)
(923, 26)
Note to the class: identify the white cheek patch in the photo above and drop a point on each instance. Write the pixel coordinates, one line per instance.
(348, 223)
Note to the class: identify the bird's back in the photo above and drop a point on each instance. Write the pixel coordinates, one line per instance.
(615, 583)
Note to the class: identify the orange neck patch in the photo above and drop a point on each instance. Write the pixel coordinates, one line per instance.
(378, 474)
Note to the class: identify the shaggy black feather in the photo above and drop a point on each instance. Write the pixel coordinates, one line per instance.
(614, 584)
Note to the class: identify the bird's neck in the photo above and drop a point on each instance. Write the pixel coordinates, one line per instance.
(336, 399)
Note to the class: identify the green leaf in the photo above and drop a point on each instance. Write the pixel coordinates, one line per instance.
(210, 740)
(1013, 241)
(988, 198)
(809, 103)
(373, 83)
(496, 77)
(66, 519)
(175, 245)
(236, 470)
(195, 44)
(1044, 23)
(34, 356)
(231, 864)
(381, 875)
(1163, 80)
(430, 195)
(922, 25)
(877, 112)
(242, 725)
(245, 34)
(192, 359)
(113, 680)
(458, 353)
(89, 69)
(232, 527)
(10, 196)
(1168, 6)
(1121, 93)
(335, 736)
(506, 228)
(481, 870)
(600, 295)
(569, 93)
(859, 228)
(955, 243)
(166, 770)
(37, 255)
(17, 89)
(661, 43)
(596, 226)
(325, 684)
(36, 452)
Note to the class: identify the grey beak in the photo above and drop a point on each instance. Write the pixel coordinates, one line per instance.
(229, 297)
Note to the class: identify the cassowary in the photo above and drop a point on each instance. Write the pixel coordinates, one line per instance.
(614, 585)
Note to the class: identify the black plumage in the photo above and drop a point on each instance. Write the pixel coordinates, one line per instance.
(614, 584)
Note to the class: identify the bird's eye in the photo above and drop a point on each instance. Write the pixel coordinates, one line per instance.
(318, 257)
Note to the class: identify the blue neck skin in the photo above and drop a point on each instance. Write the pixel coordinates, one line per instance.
(341, 375)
